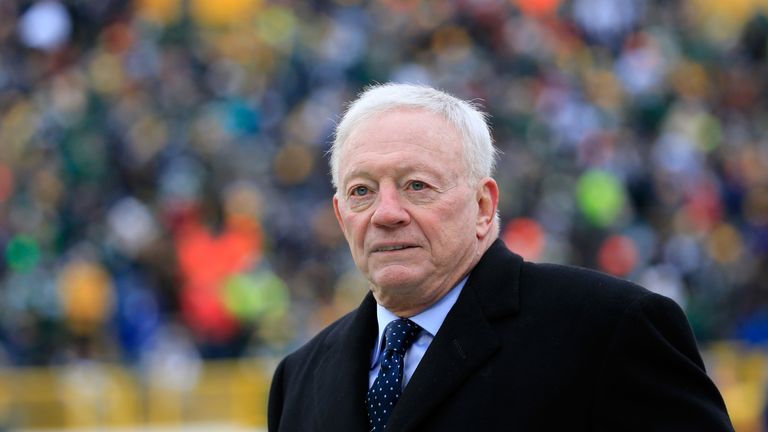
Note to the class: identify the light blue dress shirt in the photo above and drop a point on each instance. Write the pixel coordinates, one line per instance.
(430, 321)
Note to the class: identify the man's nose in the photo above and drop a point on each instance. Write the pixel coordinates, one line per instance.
(389, 211)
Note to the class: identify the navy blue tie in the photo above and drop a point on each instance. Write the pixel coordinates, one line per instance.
(399, 335)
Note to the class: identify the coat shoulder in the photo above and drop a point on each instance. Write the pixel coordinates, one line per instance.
(569, 284)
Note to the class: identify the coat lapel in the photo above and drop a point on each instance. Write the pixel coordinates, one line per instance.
(342, 374)
(465, 341)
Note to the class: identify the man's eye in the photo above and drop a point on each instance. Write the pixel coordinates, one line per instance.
(360, 191)
(417, 185)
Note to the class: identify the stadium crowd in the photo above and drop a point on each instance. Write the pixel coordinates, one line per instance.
(164, 188)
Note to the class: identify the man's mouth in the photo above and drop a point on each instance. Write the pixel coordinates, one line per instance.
(391, 248)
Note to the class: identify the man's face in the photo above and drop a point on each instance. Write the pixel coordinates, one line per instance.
(406, 207)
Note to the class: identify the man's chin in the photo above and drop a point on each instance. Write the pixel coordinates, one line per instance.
(394, 278)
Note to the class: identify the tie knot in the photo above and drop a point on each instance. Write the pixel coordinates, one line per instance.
(400, 334)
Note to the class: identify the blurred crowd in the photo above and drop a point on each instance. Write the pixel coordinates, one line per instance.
(164, 187)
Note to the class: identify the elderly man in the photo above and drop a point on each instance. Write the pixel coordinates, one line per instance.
(460, 334)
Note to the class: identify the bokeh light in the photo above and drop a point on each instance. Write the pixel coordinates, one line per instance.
(86, 294)
(22, 253)
(601, 197)
(537, 8)
(618, 255)
(249, 297)
(224, 12)
(45, 25)
(525, 237)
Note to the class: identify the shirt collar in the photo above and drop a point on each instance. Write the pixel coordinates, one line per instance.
(430, 319)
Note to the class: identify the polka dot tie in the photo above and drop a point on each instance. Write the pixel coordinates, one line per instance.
(383, 395)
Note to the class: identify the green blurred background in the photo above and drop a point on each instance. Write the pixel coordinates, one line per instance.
(165, 206)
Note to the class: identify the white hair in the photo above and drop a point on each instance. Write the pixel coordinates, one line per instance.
(466, 117)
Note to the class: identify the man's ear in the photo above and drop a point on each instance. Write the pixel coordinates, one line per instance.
(337, 213)
(487, 204)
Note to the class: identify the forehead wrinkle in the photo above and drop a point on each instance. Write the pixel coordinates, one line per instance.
(407, 167)
(382, 145)
(362, 153)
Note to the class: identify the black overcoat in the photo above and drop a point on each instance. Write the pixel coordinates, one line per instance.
(526, 347)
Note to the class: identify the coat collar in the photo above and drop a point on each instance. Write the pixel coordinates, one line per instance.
(341, 377)
(495, 279)
(466, 340)
(464, 343)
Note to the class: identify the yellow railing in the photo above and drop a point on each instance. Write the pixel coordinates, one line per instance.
(741, 374)
(101, 396)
